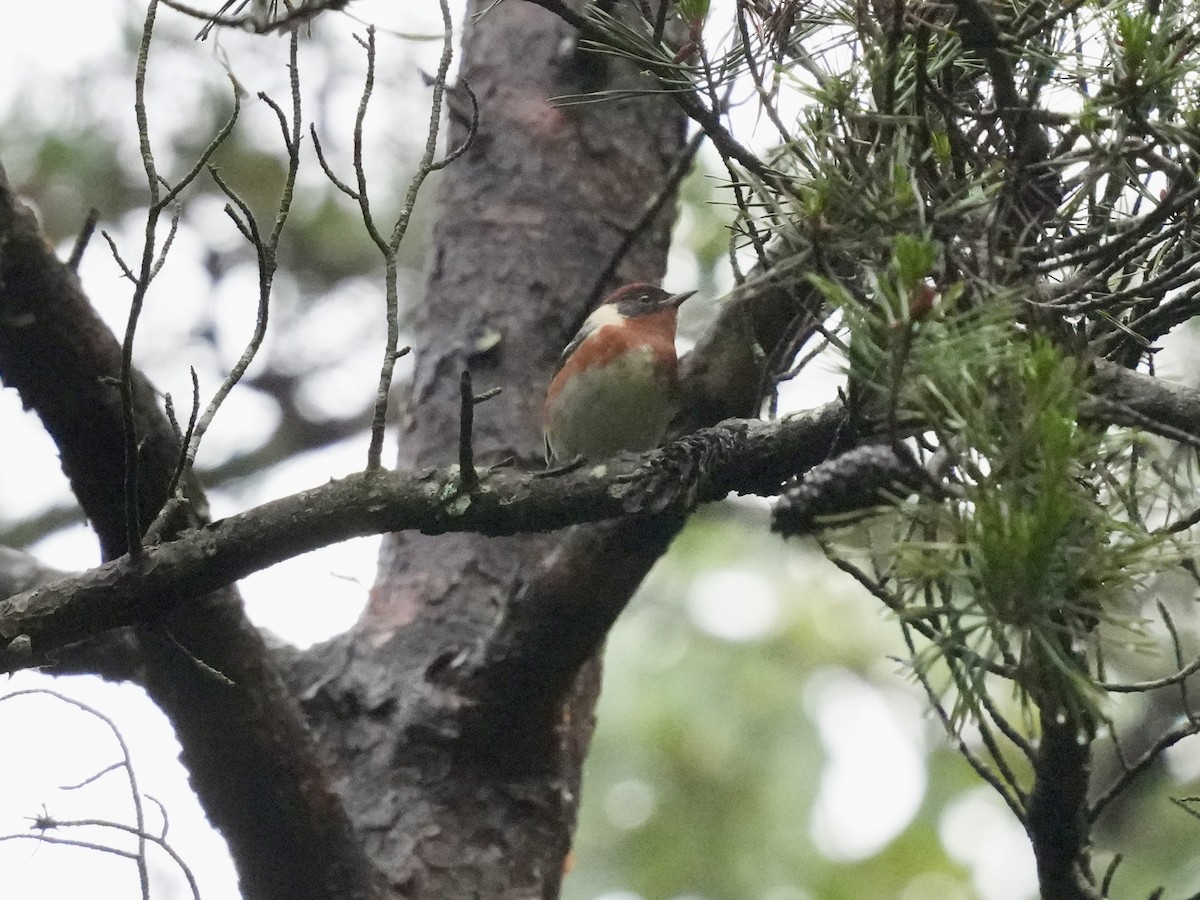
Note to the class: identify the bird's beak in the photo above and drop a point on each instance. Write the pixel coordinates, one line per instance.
(676, 299)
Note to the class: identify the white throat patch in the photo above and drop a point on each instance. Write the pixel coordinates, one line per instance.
(605, 314)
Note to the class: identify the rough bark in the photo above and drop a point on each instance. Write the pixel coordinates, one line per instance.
(1057, 816)
(530, 217)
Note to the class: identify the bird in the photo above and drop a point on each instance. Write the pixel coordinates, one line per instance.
(617, 385)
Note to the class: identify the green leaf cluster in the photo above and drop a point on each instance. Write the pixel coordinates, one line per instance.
(1028, 557)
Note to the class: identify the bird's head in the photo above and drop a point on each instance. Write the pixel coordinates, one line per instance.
(635, 300)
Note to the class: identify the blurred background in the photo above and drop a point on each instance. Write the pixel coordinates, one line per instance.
(758, 735)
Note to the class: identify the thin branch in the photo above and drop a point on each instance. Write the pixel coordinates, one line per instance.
(1183, 523)
(151, 263)
(185, 438)
(1184, 702)
(142, 836)
(290, 21)
(325, 167)
(687, 100)
(360, 172)
(468, 478)
(93, 778)
(1107, 410)
(266, 253)
(214, 145)
(1140, 687)
(1165, 741)
(660, 21)
(766, 103)
(1004, 785)
(81, 242)
(424, 168)
(472, 129)
(210, 19)
(876, 590)
(133, 528)
(172, 230)
(126, 764)
(389, 248)
(126, 272)
(1109, 873)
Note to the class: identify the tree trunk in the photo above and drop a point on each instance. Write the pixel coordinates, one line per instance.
(458, 792)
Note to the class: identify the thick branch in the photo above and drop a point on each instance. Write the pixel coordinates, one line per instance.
(548, 631)
(756, 456)
(19, 572)
(1159, 406)
(745, 456)
(1057, 816)
(64, 362)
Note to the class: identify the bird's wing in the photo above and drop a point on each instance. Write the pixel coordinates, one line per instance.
(580, 337)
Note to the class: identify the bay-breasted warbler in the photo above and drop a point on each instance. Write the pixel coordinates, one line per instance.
(616, 388)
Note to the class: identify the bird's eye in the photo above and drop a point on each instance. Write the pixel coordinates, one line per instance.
(645, 298)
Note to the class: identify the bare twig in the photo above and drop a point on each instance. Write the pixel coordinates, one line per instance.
(126, 763)
(468, 475)
(126, 272)
(81, 242)
(388, 247)
(424, 168)
(266, 250)
(1166, 740)
(151, 263)
(468, 478)
(1183, 523)
(472, 129)
(133, 529)
(47, 823)
(185, 439)
(325, 167)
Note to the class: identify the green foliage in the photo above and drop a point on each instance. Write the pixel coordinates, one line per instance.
(1027, 550)
(912, 224)
(693, 9)
(974, 203)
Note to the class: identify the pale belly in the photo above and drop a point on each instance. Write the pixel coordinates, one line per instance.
(620, 406)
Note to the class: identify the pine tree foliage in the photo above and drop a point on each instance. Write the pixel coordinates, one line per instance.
(989, 199)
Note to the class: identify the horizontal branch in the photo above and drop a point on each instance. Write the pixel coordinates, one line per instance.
(1134, 399)
(745, 456)
(738, 455)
